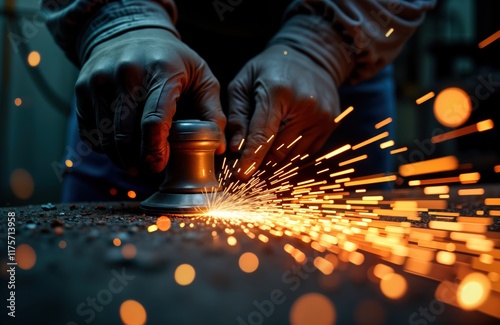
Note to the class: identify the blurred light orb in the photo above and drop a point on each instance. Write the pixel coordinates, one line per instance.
(393, 285)
(473, 290)
(34, 58)
(22, 183)
(25, 257)
(452, 107)
(163, 223)
(129, 251)
(184, 274)
(18, 101)
(248, 262)
(312, 308)
(133, 313)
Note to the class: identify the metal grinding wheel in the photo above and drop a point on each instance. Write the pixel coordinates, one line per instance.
(190, 169)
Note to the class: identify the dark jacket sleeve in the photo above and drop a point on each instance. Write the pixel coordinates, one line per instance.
(79, 25)
(353, 39)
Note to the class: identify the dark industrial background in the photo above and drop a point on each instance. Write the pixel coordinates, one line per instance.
(444, 52)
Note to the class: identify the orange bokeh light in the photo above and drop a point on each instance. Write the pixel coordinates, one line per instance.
(473, 291)
(22, 183)
(117, 242)
(25, 256)
(133, 313)
(184, 274)
(248, 262)
(131, 194)
(312, 308)
(34, 58)
(129, 251)
(393, 285)
(163, 223)
(452, 107)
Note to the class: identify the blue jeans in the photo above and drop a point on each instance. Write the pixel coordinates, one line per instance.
(93, 178)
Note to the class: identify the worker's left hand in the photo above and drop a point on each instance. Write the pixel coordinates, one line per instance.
(280, 95)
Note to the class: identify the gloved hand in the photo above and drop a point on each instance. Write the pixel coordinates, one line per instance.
(282, 93)
(127, 93)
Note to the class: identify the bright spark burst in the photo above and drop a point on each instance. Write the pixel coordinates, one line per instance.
(341, 220)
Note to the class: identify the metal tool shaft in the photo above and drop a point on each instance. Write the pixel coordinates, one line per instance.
(190, 169)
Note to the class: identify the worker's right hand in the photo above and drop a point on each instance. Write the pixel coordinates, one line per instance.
(127, 93)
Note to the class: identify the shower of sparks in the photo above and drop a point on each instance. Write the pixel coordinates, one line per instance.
(340, 220)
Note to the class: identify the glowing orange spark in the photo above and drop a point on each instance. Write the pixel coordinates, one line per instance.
(241, 144)
(343, 114)
(335, 152)
(353, 160)
(386, 144)
(383, 123)
(399, 150)
(490, 39)
(478, 127)
(371, 180)
(343, 172)
(294, 141)
(425, 98)
(429, 166)
(371, 140)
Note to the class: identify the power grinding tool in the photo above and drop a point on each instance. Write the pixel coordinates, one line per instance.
(190, 170)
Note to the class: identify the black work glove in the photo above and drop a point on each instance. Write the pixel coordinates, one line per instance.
(128, 90)
(287, 91)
